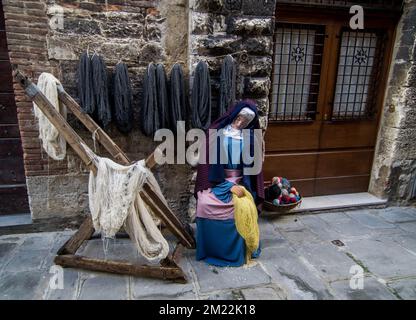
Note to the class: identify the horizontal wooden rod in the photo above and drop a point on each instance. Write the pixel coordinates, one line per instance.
(121, 267)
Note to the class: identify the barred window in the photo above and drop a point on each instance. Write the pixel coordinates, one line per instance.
(357, 76)
(297, 65)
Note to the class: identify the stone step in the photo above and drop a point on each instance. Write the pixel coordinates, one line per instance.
(348, 201)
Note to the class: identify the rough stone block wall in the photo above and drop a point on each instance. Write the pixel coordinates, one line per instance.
(394, 169)
(220, 27)
(137, 32)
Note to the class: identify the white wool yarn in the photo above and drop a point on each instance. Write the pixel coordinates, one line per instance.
(53, 142)
(115, 201)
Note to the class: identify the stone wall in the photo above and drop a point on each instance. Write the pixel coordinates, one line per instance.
(220, 27)
(244, 29)
(49, 36)
(394, 169)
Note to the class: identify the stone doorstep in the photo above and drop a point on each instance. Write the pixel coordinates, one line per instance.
(348, 201)
(15, 219)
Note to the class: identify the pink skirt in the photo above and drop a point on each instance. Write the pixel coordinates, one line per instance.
(210, 207)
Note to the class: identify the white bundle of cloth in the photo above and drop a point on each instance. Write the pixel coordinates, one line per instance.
(115, 201)
(53, 142)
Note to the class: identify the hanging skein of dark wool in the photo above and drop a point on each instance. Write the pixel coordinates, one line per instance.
(162, 97)
(100, 89)
(85, 84)
(177, 96)
(201, 97)
(227, 85)
(149, 113)
(122, 97)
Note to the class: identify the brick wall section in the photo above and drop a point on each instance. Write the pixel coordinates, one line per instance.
(138, 32)
(26, 27)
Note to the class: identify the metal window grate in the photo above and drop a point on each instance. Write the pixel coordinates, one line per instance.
(358, 73)
(297, 66)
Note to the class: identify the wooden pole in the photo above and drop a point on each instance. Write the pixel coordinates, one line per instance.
(164, 212)
(121, 267)
(149, 196)
(85, 231)
(66, 255)
(73, 139)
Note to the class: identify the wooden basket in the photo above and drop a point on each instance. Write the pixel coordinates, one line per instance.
(283, 208)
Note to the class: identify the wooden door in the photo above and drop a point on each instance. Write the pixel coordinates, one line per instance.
(327, 92)
(13, 194)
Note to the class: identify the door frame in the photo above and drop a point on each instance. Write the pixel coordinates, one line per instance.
(331, 17)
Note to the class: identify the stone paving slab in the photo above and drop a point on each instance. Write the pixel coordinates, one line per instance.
(29, 285)
(71, 278)
(328, 259)
(372, 290)
(43, 241)
(262, 293)
(223, 295)
(289, 272)
(405, 288)
(320, 227)
(346, 226)
(407, 241)
(369, 220)
(6, 250)
(270, 235)
(408, 226)
(104, 287)
(301, 236)
(212, 278)
(384, 258)
(396, 215)
(298, 261)
(143, 288)
(26, 261)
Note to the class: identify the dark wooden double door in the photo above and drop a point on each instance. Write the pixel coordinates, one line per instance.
(327, 93)
(13, 194)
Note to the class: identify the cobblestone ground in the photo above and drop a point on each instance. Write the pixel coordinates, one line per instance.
(299, 260)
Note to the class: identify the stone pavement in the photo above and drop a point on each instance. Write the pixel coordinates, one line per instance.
(299, 260)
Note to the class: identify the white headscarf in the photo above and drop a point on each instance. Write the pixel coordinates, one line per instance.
(234, 133)
(247, 113)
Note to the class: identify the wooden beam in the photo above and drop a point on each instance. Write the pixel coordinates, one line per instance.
(66, 254)
(121, 267)
(85, 231)
(157, 205)
(93, 127)
(165, 214)
(73, 139)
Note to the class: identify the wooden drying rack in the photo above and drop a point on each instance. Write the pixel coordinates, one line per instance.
(66, 255)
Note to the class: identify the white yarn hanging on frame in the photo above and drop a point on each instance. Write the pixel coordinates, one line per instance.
(115, 201)
(53, 142)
